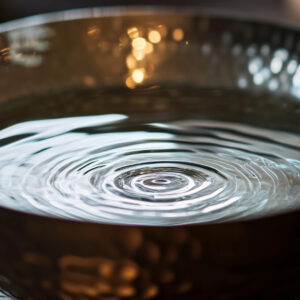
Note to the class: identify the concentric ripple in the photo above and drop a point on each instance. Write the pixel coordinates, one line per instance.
(110, 169)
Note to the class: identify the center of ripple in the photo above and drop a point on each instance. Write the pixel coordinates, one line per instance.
(160, 183)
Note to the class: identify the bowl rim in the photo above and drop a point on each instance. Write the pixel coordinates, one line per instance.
(269, 17)
(135, 11)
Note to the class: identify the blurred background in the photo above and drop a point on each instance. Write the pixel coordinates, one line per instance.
(12, 9)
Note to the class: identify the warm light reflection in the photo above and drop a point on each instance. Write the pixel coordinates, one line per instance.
(125, 291)
(106, 268)
(129, 272)
(4, 51)
(178, 34)
(149, 48)
(129, 82)
(104, 287)
(89, 80)
(138, 75)
(4, 54)
(162, 30)
(139, 43)
(93, 31)
(154, 36)
(117, 278)
(98, 277)
(130, 62)
(139, 55)
(133, 32)
(151, 292)
(141, 46)
(152, 251)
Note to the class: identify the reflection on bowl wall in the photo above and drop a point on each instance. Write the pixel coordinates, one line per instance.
(163, 65)
(147, 50)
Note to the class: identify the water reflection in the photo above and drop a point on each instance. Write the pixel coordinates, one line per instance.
(154, 37)
(147, 50)
(140, 47)
(131, 278)
(94, 32)
(4, 297)
(139, 64)
(271, 69)
(26, 45)
(138, 75)
(98, 276)
(263, 65)
(178, 34)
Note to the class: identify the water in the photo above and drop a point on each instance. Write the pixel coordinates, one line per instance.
(139, 169)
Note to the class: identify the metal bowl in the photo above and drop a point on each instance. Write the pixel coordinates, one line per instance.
(50, 258)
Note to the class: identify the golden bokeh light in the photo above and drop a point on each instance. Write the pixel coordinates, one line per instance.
(130, 62)
(149, 48)
(130, 83)
(104, 287)
(4, 51)
(154, 36)
(133, 32)
(106, 268)
(151, 292)
(141, 46)
(138, 75)
(162, 30)
(125, 291)
(139, 43)
(178, 34)
(89, 80)
(93, 31)
(138, 54)
(129, 272)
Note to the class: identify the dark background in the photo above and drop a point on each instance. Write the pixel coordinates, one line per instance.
(12, 9)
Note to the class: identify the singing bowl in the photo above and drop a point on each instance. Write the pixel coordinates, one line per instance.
(53, 258)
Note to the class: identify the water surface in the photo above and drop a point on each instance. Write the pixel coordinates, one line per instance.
(118, 168)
